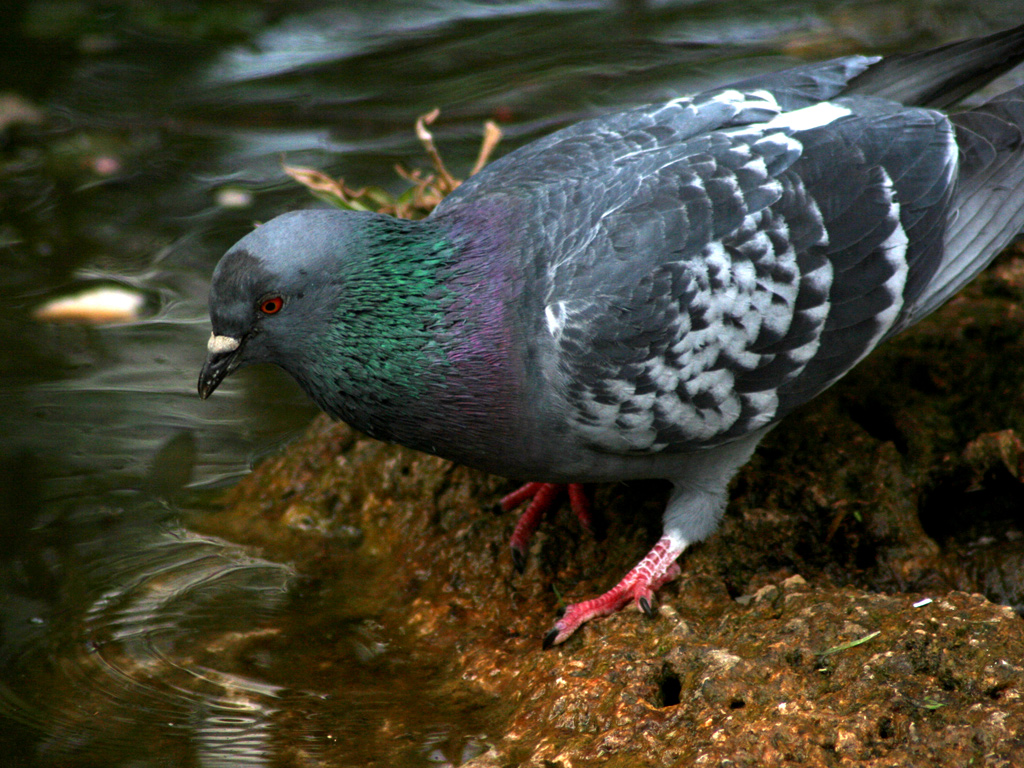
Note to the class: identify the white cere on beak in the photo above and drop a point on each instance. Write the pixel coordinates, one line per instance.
(218, 345)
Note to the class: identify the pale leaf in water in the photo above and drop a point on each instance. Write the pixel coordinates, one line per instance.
(93, 306)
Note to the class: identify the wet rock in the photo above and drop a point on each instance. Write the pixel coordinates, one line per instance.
(993, 452)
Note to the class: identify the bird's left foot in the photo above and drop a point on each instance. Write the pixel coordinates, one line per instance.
(656, 569)
(543, 498)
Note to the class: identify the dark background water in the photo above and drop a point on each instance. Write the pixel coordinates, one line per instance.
(154, 138)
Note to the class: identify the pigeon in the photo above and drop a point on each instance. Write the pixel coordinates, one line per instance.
(647, 293)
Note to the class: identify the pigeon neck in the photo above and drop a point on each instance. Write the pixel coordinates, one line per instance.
(417, 345)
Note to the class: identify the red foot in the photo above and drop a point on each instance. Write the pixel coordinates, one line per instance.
(544, 497)
(639, 585)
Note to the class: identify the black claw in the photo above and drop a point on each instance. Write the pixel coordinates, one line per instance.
(645, 606)
(518, 559)
(549, 639)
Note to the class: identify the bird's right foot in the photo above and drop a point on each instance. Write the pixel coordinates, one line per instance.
(656, 569)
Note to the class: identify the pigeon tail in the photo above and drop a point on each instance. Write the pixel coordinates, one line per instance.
(988, 214)
(941, 77)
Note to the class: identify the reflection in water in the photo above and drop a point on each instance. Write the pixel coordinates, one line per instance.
(129, 640)
(137, 662)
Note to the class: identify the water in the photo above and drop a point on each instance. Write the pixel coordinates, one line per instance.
(125, 637)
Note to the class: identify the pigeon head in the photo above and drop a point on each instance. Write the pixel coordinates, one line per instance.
(397, 327)
(359, 308)
(276, 283)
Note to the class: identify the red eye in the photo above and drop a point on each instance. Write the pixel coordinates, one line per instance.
(271, 305)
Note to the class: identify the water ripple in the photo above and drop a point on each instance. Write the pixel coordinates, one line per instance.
(136, 668)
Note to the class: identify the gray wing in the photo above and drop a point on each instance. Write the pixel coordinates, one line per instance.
(705, 266)
(746, 273)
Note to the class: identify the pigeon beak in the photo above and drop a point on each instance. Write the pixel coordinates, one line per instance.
(221, 359)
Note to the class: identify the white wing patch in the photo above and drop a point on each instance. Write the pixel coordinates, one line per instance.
(814, 116)
(759, 99)
(554, 314)
(776, 131)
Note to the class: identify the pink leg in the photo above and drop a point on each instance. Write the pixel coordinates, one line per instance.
(580, 505)
(543, 497)
(639, 585)
(521, 494)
